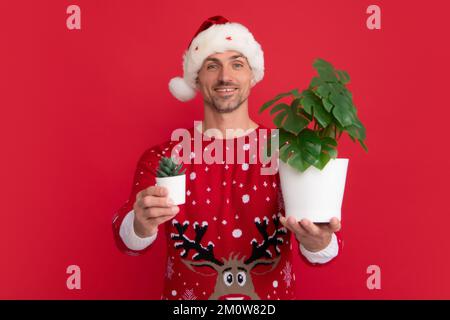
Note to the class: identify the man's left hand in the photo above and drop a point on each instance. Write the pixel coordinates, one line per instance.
(314, 237)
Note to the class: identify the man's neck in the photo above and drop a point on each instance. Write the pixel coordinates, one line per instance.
(230, 125)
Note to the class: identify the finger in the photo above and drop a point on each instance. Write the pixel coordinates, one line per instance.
(293, 224)
(156, 212)
(162, 219)
(157, 191)
(287, 225)
(310, 227)
(152, 201)
(335, 224)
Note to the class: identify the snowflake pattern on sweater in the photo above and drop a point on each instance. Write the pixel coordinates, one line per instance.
(226, 242)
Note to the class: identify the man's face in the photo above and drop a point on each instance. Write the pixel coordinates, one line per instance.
(225, 80)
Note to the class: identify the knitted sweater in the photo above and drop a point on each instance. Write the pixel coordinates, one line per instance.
(226, 242)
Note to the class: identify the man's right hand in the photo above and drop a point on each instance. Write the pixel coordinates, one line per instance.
(152, 208)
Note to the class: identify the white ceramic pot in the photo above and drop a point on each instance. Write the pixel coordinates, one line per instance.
(176, 186)
(314, 194)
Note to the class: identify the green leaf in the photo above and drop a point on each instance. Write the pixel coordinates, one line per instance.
(344, 78)
(348, 94)
(305, 114)
(278, 120)
(309, 100)
(363, 145)
(289, 118)
(329, 146)
(322, 64)
(284, 152)
(323, 160)
(309, 146)
(322, 116)
(342, 116)
(306, 150)
(279, 107)
(166, 170)
(327, 104)
(356, 132)
(325, 70)
(314, 105)
(295, 93)
(323, 91)
(342, 111)
(294, 121)
(329, 131)
(297, 163)
(358, 123)
(316, 81)
(160, 173)
(285, 137)
(278, 97)
(166, 162)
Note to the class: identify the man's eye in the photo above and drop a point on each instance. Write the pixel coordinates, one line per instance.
(238, 65)
(211, 66)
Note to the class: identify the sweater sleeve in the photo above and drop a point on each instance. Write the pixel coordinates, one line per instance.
(323, 256)
(129, 236)
(143, 178)
(327, 255)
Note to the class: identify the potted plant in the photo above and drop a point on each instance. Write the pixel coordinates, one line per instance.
(312, 177)
(168, 175)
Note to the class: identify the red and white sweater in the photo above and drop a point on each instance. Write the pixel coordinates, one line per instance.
(226, 242)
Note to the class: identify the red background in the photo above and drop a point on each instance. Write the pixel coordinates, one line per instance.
(78, 107)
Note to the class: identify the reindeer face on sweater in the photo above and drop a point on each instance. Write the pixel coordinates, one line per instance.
(234, 273)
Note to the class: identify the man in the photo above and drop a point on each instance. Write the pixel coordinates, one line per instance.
(230, 240)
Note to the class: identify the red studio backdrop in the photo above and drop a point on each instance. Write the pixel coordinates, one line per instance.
(78, 108)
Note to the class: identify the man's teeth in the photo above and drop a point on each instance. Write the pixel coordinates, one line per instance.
(225, 90)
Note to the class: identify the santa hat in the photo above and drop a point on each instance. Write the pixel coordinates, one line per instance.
(215, 35)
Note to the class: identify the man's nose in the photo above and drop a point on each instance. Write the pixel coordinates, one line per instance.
(225, 74)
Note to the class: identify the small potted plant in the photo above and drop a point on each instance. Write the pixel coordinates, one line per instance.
(168, 175)
(312, 177)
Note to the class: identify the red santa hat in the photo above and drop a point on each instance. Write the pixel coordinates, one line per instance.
(215, 35)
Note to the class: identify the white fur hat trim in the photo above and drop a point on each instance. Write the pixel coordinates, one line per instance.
(217, 38)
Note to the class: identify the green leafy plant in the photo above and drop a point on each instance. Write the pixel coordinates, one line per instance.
(310, 126)
(168, 168)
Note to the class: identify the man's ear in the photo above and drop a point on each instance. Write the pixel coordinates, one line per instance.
(253, 81)
(197, 83)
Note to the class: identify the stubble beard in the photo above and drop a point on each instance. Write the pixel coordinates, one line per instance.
(221, 106)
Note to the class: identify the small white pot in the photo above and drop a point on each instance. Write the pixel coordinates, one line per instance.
(314, 194)
(176, 186)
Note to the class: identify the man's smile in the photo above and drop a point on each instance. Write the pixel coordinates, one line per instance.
(225, 91)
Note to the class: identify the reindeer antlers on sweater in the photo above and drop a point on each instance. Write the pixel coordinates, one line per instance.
(187, 244)
(262, 249)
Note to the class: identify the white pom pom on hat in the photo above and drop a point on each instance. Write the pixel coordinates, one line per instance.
(181, 90)
(216, 34)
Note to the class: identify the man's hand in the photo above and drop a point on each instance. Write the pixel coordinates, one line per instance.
(152, 207)
(314, 237)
